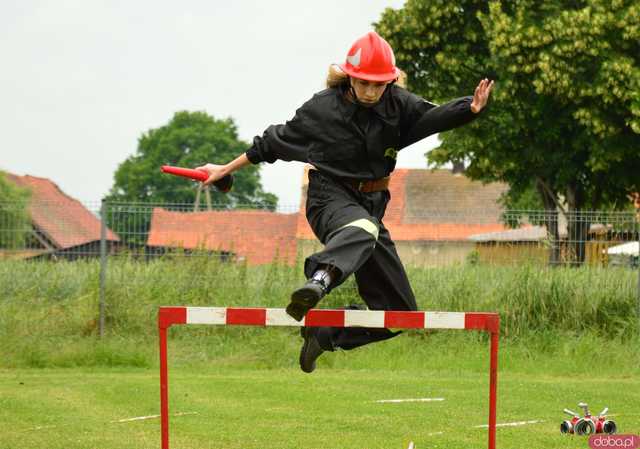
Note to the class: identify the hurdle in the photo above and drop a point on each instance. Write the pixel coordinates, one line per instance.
(249, 316)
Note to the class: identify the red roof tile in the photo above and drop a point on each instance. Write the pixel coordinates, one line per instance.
(62, 219)
(259, 236)
(439, 196)
(438, 231)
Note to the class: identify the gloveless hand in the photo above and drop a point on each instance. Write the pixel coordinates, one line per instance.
(215, 172)
(481, 95)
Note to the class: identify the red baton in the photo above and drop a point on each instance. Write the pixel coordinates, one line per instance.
(223, 184)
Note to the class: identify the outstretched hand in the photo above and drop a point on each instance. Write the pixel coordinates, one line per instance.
(481, 95)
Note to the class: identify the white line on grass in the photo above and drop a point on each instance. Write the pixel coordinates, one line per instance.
(510, 424)
(137, 418)
(43, 427)
(484, 426)
(398, 401)
(142, 418)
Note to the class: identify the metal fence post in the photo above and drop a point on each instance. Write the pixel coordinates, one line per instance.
(103, 262)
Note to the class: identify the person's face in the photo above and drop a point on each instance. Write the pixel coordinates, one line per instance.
(368, 92)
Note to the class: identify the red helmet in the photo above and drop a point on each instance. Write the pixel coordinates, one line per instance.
(371, 58)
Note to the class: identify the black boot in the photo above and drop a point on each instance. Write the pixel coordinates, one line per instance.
(305, 298)
(311, 349)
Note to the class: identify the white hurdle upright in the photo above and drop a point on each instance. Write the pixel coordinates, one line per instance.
(249, 316)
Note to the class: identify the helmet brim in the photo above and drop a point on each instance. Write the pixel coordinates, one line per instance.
(379, 77)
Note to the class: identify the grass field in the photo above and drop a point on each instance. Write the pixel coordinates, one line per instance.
(249, 398)
(568, 336)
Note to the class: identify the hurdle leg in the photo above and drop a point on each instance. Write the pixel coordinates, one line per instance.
(493, 388)
(164, 389)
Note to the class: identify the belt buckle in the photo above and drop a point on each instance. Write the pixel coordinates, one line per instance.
(360, 185)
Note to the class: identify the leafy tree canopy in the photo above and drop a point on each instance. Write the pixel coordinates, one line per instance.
(565, 114)
(190, 139)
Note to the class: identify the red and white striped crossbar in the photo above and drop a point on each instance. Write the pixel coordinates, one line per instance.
(249, 316)
(252, 316)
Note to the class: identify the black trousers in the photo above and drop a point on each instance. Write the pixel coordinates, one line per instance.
(349, 224)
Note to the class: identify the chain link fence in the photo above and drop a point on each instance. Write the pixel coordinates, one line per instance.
(426, 238)
(245, 234)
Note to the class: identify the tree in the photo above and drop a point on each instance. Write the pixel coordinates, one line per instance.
(15, 224)
(190, 139)
(565, 116)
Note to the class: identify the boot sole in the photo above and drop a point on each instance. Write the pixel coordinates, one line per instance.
(303, 300)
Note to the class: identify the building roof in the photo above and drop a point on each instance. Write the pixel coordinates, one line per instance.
(629, 249)
(525, 234)
(439, 196)
(64, 221)
(262, 236)
(434, 205)
(258, 236)
(531, 233)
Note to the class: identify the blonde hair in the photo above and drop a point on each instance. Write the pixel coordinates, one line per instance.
(336, 77)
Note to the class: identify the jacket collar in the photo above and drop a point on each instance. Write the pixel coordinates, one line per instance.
(383, 109)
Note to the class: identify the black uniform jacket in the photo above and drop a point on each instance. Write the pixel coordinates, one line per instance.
(346, 140)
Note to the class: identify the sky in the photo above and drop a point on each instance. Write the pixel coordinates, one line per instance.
(82, 80)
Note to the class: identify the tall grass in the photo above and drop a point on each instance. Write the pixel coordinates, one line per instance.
(531, 298)
(49, 310)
